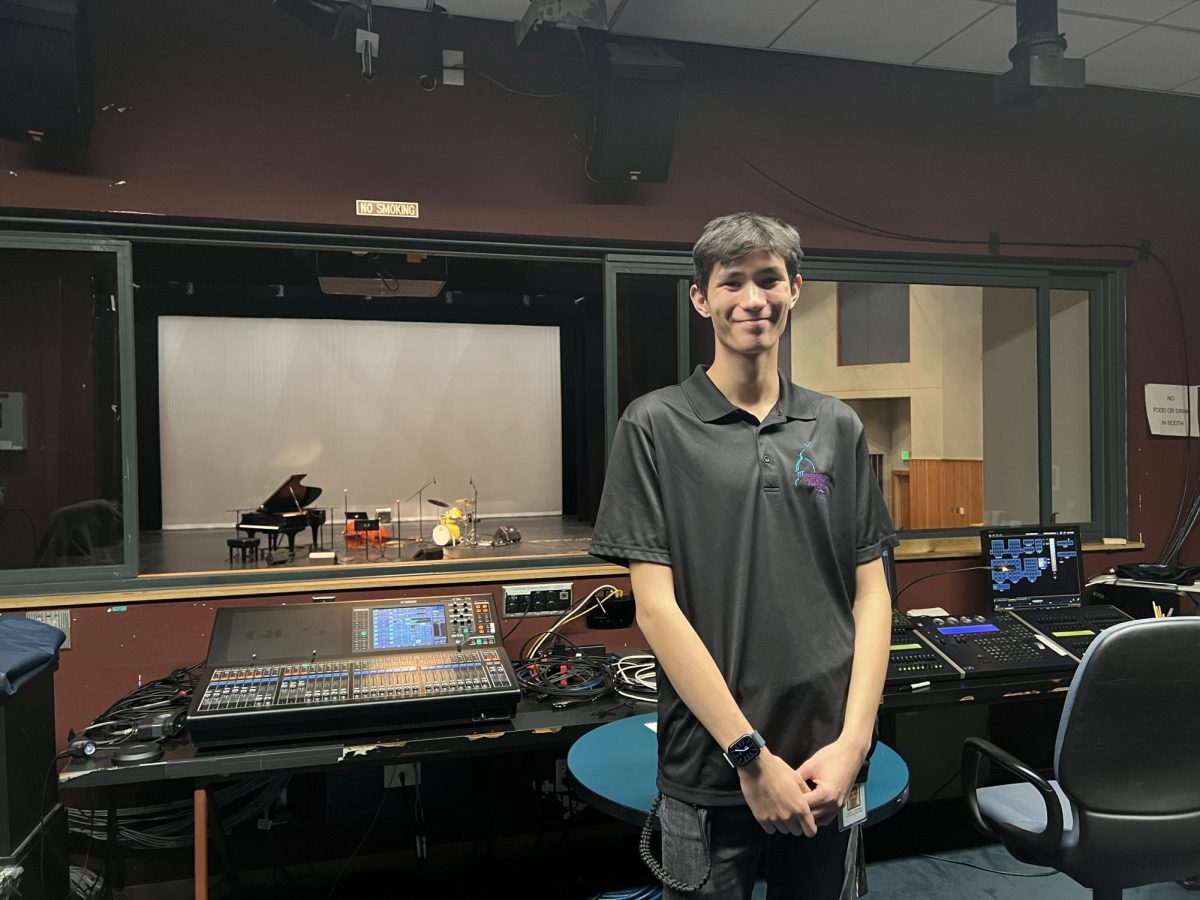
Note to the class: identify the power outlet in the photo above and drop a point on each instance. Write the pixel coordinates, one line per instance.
(59, 618)
(521, 600)
(560, 776)
(402, 775)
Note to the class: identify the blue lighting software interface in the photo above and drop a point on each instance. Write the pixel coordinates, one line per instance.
(1033, 566)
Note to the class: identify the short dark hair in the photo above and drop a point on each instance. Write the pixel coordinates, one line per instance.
(727, 239)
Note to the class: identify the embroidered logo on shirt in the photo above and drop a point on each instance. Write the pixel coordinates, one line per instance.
(806, 473)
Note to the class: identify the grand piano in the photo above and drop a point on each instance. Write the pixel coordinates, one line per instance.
(284, 513)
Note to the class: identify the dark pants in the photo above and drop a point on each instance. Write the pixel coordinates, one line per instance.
(727, 842)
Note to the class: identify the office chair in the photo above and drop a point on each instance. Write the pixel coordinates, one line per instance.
(1125, 808)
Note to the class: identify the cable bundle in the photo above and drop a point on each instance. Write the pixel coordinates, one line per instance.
(566, 675)
(563, 672)
(578, 611)
(636, 676)
(170, 825)
(86, 883)
(120, 722)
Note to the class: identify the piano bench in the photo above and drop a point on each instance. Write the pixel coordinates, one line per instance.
(246, 546)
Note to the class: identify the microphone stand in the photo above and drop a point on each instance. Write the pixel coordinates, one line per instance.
(419, 493)
(474, 514)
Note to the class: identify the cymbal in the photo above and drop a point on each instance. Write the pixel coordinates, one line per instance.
(441, 503)
(465, 503)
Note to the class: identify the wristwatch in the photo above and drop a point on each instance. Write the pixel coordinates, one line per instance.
(744, 750)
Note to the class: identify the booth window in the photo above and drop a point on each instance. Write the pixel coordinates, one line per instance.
(989, 417)
(981, 386)
(62, 490)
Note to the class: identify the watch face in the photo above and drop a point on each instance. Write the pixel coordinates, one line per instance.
(743, 751)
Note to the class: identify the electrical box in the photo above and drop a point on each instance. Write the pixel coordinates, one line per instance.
(12, 421)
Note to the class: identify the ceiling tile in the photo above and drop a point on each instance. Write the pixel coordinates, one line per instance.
(1138, 10)
(893, 31)
(1086, 35)
(748, 23)
(984, 46)
(1154, 58)
(1188, 17)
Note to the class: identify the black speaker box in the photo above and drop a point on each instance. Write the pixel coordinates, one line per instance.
(27, 787)
(640, 91)
(45, 87)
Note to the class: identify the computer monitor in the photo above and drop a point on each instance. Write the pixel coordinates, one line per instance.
(1033, 566)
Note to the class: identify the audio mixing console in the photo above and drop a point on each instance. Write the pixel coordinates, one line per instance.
(288, 672)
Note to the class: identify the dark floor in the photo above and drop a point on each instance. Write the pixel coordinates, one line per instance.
(204, 549)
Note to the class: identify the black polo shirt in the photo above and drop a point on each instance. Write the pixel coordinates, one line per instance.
(763, 525)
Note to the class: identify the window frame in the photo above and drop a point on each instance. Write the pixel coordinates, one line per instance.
(1104, 282)
(75, 576)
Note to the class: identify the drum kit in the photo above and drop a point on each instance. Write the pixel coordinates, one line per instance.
(456, 522)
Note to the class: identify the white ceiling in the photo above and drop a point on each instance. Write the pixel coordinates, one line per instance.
(1149, 45)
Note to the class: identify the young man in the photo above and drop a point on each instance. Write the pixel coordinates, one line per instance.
(753, 527)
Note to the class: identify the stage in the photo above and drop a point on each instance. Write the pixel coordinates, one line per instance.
(203, 550)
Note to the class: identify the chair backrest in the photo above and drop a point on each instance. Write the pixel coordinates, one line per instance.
(1131, 724)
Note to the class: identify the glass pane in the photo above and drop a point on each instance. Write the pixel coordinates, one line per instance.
(1010, 418)
(647, 328)
(953, 431)
(1070, 403)
(60, 427)
(410, 431)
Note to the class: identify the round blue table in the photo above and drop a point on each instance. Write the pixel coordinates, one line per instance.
(615, 766)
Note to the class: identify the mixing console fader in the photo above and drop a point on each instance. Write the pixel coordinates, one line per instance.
(287, 672)
(998, 644)
(1072, 628)
(913, 659)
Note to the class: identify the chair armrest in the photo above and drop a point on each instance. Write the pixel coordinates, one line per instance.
(974, 750)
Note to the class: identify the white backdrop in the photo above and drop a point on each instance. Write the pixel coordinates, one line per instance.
(375, 408)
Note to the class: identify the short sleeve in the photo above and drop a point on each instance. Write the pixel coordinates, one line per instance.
(874, 531)
(630, 524)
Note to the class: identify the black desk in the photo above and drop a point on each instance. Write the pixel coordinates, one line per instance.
(534, 726)
(994, 689)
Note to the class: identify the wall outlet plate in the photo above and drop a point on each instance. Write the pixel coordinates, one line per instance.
(59, 618)
(521, 600)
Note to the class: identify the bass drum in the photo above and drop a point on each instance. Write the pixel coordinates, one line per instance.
(446, 533)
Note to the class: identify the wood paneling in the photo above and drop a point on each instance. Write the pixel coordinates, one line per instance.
(945, 493)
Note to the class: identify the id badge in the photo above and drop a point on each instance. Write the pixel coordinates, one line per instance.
(855, 808)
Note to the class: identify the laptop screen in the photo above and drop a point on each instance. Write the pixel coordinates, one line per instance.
(1033, 566)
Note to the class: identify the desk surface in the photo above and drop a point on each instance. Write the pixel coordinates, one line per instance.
(535, 725)
(615, 767)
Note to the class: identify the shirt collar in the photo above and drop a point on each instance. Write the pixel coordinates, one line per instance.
(710, 404)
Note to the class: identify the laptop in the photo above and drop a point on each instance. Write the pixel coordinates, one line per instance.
(1033, 566)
